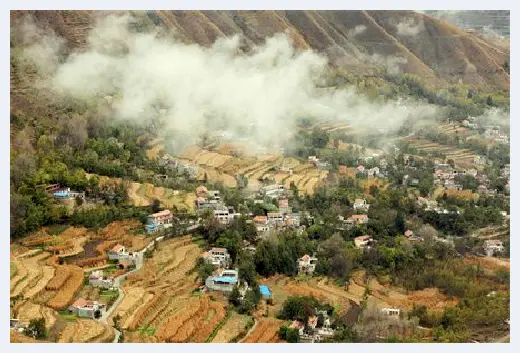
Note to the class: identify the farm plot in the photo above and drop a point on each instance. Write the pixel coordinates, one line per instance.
(30, 274)
(266, 331)
(65, 284)
(28, 311)
(162, 290)
(84, 330)
(235, 324)
(459, 156)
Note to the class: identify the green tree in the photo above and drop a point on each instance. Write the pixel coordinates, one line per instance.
(319, 138)
(37, 329)
(292, 335)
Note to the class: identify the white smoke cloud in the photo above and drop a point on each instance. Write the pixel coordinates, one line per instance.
(42, 44)
(410, 28)
(198, 88)
(357, 30)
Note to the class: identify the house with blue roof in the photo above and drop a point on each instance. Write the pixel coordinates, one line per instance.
(225, 282)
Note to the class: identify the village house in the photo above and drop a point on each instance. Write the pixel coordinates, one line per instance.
(430, 205)
(298, 326)
(97, 279)
(361, 204)
(408, 233)
(116, 252)
(356, 219)
(307, 264)
(158, 221)
(283, 206)
(225, 282)
(360, 169)
(275, 218)
(213, 195)
(67, 194)
(119, 253)
(273, 191)
(201, 191)
(87, 308)
(493, 247)
(221, 213)
(363, 241)
(218, 257)
(373, 172)
(394, 312)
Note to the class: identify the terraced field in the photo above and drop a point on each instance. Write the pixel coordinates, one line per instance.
(265, 331)
(235, 324)
(85, 330)
(343, 298)
(159, 297)
(463, 157)
(224, 168)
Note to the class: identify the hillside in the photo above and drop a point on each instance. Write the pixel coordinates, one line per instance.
(402, 41)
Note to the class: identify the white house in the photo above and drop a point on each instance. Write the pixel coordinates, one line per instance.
(361, 204)
(97, 279)
(391, 311)
(87, 308)
(218, 257)
(363, 241)
(493, 246)
(307, 264)
(225, 282)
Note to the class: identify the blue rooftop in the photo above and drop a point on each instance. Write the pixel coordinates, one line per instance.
(225, 279)
(61, 194)
(264, 290)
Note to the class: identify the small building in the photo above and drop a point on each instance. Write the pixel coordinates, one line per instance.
(201, 191)
(158, 221)
(361, 204)
(408, 233)
(275, 217)
(119, 252)
(218, 257)
(87, 308)
(298, 326)
(312, 322)
(67, 193)
(363, 241)
(97, 279)
(221, 213)
(493, 247)
(116, 252)
(395, 312)
(307, 264)
(357, 219)
(224, 283)
(265, 291)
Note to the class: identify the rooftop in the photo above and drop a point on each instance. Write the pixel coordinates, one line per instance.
(264, 290)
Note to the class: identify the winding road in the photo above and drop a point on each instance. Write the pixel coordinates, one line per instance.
(118, 281)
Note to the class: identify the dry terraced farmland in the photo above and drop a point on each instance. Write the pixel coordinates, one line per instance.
(224, 168)
(463, 157)
(159, 298)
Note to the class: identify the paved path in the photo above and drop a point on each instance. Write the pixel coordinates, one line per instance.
(118, 280)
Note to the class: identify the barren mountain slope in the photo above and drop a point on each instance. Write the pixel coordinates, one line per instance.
(419, 44)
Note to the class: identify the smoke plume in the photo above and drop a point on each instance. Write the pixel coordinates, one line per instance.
(258, 95)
